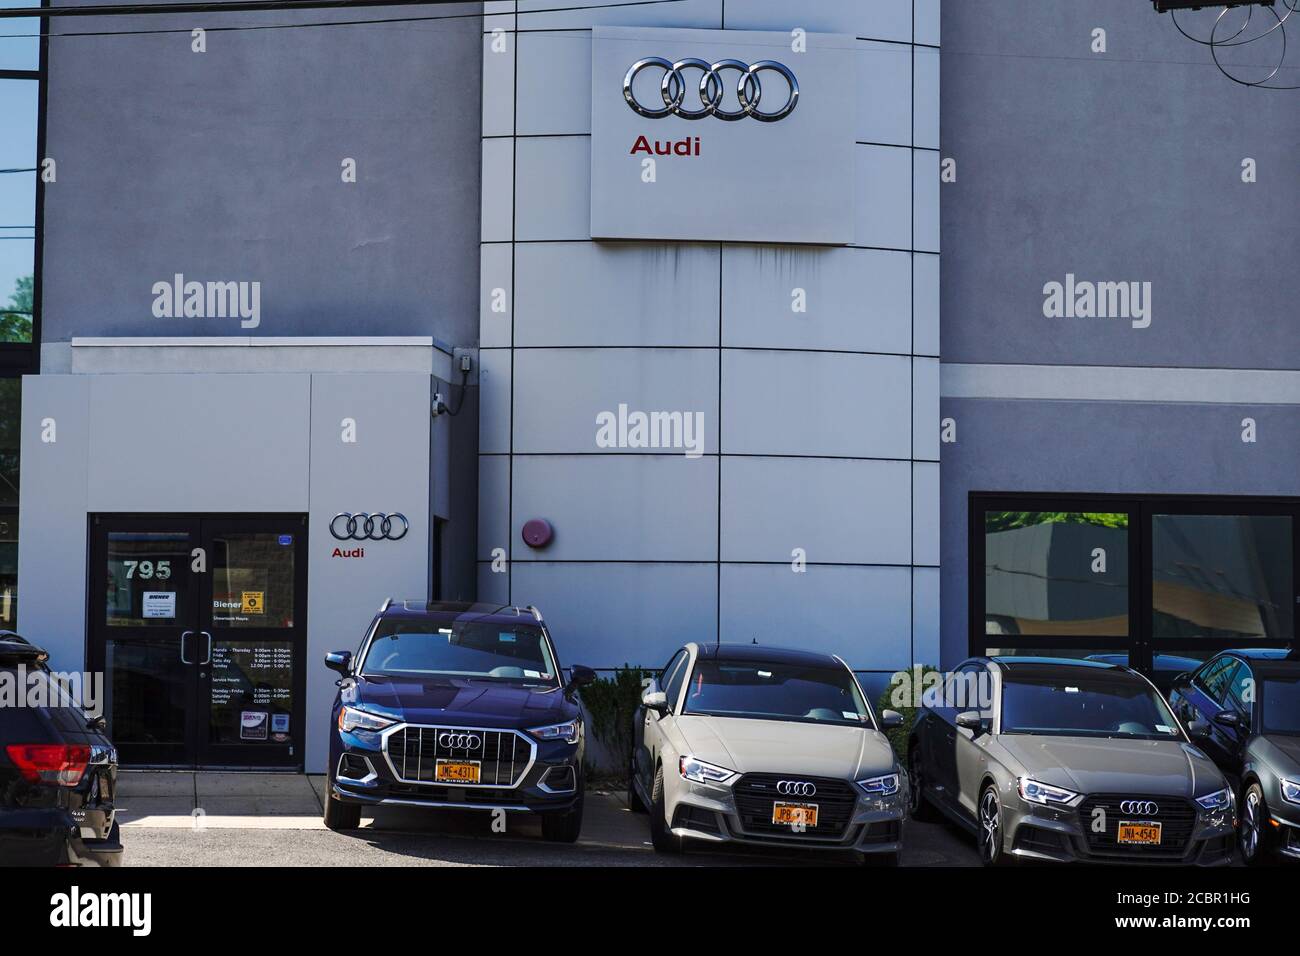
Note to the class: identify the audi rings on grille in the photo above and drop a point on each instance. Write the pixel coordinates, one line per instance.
(1142, 808)
(796, 788)
(712, 88)
(460, 741)
(369, 527)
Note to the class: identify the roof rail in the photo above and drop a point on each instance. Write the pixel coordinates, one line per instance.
(536, 613)
(388, 602)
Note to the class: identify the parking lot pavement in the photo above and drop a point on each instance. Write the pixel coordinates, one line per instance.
(275, 820)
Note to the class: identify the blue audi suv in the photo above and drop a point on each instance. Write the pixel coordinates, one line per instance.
(457, 706)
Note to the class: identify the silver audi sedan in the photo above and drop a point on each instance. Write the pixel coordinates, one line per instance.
(1054, 759)
(748, 743)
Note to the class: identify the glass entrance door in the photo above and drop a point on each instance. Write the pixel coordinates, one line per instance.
(199, 626)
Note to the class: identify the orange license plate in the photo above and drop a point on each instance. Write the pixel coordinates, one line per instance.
(1147, 833)
(793, 814)
(456, 771)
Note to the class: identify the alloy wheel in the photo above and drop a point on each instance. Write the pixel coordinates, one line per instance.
(990, 826)
(1250, 826)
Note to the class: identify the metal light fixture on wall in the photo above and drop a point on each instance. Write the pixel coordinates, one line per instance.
(1226, 33)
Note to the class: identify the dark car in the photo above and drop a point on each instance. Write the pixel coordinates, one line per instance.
(457, 706)
(1164, 667)
(1067, 760)
(1243, 708)
(58, 771)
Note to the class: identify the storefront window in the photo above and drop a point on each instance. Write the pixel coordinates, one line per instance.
(1056, 574)
(10, 399)
(1222, 576)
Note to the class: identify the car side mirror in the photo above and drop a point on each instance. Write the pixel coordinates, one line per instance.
(972, 721)
(1198, 728)
(579, 677)
(99, 723)
(655, 700)
(340, 661)
(890, 719)
(1228, 718)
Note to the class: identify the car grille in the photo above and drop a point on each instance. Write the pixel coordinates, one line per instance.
(755, 793)
(1177, 818)
(504, 755)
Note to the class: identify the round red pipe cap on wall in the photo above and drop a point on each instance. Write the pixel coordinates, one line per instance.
(538, 532)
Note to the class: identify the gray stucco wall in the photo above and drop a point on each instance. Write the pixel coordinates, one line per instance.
(1115, 166)
(226, 165)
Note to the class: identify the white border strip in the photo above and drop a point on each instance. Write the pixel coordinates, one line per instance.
(1108, 383)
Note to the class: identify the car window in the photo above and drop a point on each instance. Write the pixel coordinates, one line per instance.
(776, 690)
(1240, 690)
(1213, 678)
(674, 683)
(1085, 705)
(1280, 705)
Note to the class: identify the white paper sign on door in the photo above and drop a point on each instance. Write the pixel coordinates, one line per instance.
(159, 604)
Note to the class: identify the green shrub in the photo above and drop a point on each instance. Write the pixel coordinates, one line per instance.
(899, 735)
(611, 703)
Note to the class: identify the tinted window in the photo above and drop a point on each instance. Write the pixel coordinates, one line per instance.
(1085, 706)
(1280, 705)
(1223, 576)
(1214, 679)
(415, 649)
(1055, 573)
(675, 672)
(775, 691)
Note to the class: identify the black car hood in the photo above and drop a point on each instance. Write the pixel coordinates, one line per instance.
(457, 702)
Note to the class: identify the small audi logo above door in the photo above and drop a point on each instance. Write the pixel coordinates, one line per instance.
(363, 526)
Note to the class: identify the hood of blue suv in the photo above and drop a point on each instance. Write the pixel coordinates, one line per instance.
(460, 702)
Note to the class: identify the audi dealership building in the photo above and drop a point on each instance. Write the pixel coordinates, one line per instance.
(892, 328)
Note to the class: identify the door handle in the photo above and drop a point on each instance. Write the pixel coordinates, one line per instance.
(208, 655)
(184, 635)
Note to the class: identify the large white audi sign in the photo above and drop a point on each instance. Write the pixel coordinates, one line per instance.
(722, 135)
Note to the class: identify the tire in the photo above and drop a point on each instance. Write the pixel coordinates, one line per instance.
(988, 815)
(1255, 840)
(340, 815)
(661, 837)
(564, 827)
(634, 801)
(918, 805)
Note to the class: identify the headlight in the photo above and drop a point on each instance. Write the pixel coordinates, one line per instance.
(1220, 800)
(701, 772)
(1044, 793)
(1290, 791)
(350, 718)
(880, 786)
(568, 732)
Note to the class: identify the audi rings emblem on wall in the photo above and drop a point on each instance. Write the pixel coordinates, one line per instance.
(1141, 808)
(460, 741)
(346, 526)
(796, 788)
(712, 89)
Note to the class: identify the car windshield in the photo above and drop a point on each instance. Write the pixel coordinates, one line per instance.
(1281, 705)
(515, 653)
(775, 691)
(1083, 705)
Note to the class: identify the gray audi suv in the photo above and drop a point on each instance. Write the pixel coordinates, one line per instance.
(1067, 760)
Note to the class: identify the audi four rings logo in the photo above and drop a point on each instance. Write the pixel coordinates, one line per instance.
(712, 88)
(346, 526)
(460, 741)
(796, 788)
(1143, 808)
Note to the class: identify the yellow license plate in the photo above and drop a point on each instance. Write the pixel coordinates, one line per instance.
(792, 814)
(1148, 833)
(456, 771)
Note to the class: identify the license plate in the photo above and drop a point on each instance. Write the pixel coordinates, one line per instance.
(792, 814)
(456, 771)
(1148, 833)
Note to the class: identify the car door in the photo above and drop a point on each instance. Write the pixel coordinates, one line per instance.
(946, 737)
(647, 732)
(970, 754)
(1204, 698)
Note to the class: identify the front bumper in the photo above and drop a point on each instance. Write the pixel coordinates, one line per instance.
(1034, 832)
(1284, 822)
(365, 770)
(710, 814)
